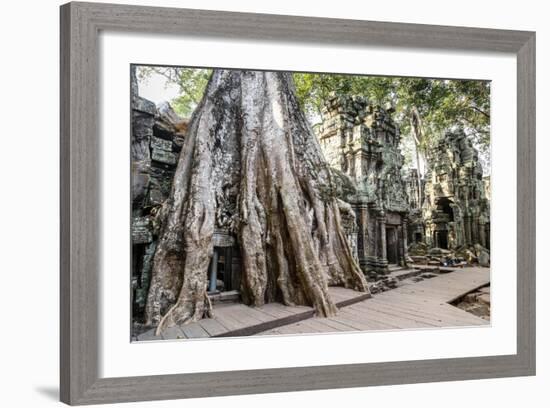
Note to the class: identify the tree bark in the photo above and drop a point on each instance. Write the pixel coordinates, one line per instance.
(251, 164)
(416, 125)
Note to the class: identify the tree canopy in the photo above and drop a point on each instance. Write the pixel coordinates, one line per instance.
(424, 108)
(191, 82)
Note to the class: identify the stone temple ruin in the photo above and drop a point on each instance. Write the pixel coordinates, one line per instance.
(444, 217)
(391, 214)
(456, 210)
(361, 141)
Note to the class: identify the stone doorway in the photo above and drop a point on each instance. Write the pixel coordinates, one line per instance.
(444, 208)
(441, 239)
(221, 277)
(392, 250)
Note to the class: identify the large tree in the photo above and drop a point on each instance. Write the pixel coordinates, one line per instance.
(251, 163)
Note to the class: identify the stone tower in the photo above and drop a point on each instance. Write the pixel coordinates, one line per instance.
(456, 209)
(361, 140)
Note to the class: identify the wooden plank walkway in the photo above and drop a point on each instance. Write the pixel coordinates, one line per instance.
(235, 319)
(419, 305)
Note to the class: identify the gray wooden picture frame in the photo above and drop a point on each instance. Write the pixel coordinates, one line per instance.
(80, 192)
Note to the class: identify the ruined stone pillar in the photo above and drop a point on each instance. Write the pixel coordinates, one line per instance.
(459, 230)
(400, 248)
(362, 234)
(481, 232)
(405, 243)
(213, 272)
(383, 247)
(375, 239)
(473, 231)
(467, 230)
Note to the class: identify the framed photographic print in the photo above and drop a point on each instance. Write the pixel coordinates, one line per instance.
(261, 203)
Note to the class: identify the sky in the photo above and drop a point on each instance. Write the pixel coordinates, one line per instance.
(156, 89)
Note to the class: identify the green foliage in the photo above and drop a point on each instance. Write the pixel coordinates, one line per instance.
(446, 103)
(440, 103)
(313, 89)
(191, 82)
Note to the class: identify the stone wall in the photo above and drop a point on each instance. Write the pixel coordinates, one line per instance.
(155, 145)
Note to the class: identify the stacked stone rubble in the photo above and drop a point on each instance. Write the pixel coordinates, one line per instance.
(155, 145)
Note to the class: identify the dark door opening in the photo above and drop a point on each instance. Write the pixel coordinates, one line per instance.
(417, 237)
(391, 245)
(441, 239)
(444, 207)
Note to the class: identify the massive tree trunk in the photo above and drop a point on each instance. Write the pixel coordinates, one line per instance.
(251, 164)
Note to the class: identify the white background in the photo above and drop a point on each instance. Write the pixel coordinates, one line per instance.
(121, 358)
(30, 203)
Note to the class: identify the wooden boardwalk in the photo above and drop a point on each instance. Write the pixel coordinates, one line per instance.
(235, 319)
(419, 305)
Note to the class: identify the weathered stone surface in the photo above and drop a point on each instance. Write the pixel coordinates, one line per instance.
(169, 126)
(483, 257)
(418, 249)
(146, 268)
(438, 251)
(161, 183)
(161, 144)
(145, 106)
(142, 131)
(163, 156)
(141, 230)
(140, 183)
(477, 302)
(418, 259)
(466, 254)
(456, 210)
(384, 284)
(485, 298)
(143, 118)
(156, 143)
(223, 239)
(450, 207)
(361, 143)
